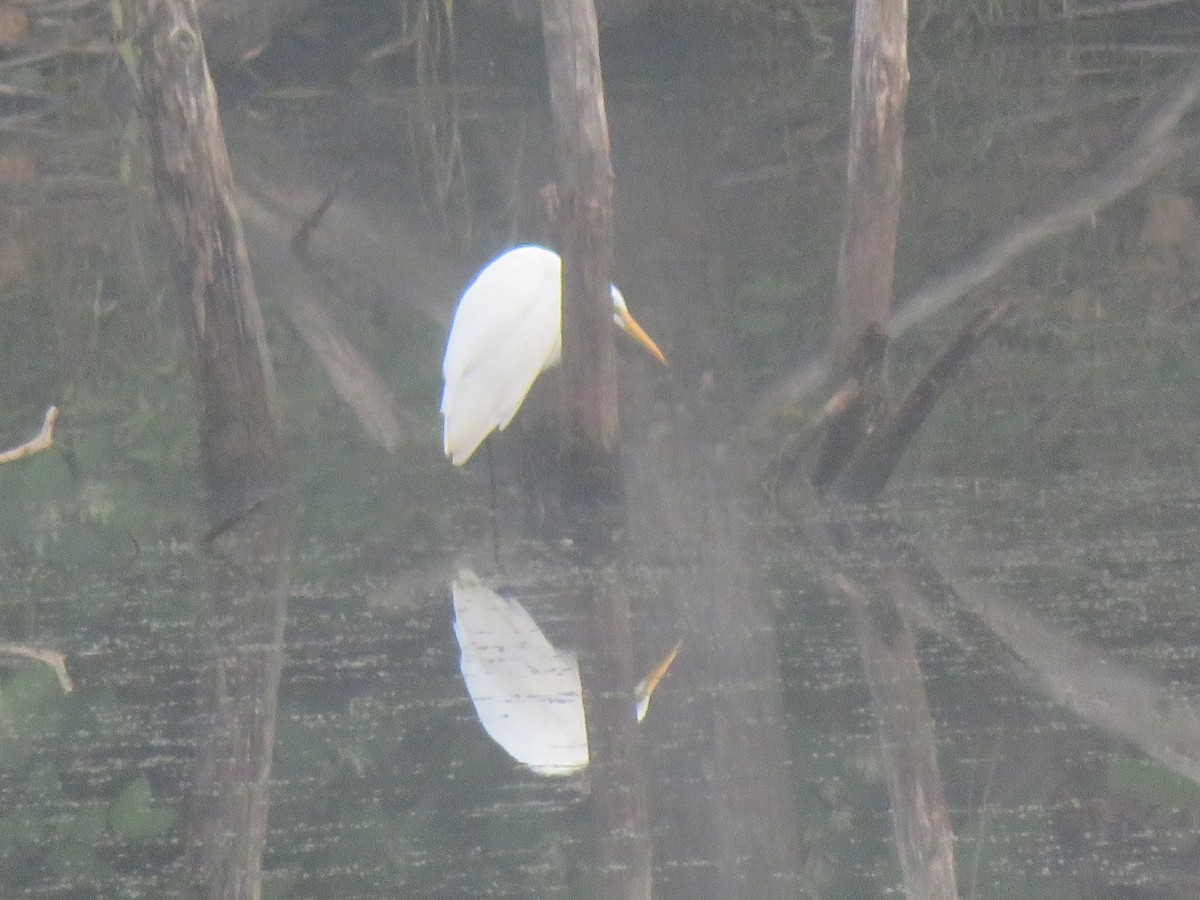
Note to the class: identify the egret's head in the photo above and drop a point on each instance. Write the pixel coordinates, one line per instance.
(629, 325)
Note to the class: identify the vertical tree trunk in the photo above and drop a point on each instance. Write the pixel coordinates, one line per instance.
(866, 267)
(584, 227)
(591, 488)
(240, 441)
(874, 165)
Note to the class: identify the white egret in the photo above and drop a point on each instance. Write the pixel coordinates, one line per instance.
(526, 693)
(507, 330)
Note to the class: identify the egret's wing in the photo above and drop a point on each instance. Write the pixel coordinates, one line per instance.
(526, 693)
(499, 299)
(506, 331)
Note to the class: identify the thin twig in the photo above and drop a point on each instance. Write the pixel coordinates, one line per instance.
(313, 219)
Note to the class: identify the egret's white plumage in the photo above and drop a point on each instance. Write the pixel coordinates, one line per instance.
(526, 693)
(507, 330)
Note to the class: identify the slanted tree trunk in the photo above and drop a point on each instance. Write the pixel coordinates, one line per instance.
(241, 446)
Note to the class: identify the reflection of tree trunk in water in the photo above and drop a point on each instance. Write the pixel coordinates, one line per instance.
(853, 553)
(726, 800)
(723, 797)
(228, 820)
(249, 495)
(1112, 694)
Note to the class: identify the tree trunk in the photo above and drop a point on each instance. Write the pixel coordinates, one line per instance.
(240, 442)
(866, 267)
(874, 165)
(591, 474)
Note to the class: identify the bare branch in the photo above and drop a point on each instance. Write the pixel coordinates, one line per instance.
(42, 441)
(55, 660)
(1150, 144)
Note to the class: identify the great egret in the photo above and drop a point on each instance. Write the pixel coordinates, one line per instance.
(506, 331)
(526, 693)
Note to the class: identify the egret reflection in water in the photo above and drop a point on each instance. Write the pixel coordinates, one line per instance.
(526, 693)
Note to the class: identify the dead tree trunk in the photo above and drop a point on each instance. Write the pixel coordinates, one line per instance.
(584, 233)
(591, 485)
(240, 441)
(241, 448)
(874, 165)
(866, 268)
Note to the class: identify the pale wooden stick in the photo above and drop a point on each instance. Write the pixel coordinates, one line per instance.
(55, 660)
(43, 440)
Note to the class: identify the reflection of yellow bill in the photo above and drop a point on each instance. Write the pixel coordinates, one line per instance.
(645, 688)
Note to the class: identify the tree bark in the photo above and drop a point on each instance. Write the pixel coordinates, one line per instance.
(591, 474)
(866, 268)
(240, 442)
(584, 225)
(241, 447)
(874, 165)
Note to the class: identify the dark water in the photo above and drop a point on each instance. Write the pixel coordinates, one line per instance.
(1055, 487)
